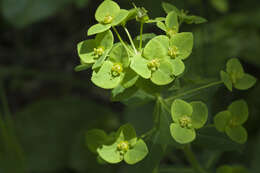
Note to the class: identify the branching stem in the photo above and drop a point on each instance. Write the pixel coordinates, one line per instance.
(141, 35)
(121, 40)
(170, 99)
(130, 39)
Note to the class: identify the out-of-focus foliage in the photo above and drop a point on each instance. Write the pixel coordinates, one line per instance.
(52, 107)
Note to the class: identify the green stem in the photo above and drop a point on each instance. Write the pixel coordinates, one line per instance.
(149, 133)
(192, 160)
(170, 99)
(164, 105)
(121, 40)
(141, 35)
(130, 39)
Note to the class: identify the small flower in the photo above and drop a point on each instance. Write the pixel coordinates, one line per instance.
(186, 118)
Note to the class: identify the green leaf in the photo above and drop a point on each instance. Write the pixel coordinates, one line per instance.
(82, 67)
(246, 82)
(146, 36)
(155, 44)
(130, 78)
(120, 93)
(221, 120)
(95, 138)
(104, 78)
(86, 51)
(225, 169)
(161, 25)
(106, 8)
(139, 65)
(137, 153)
(237, 134)
(179, 109)
(99, 62)
(199, 114)
(235, 69)
(169, 7)
(98, 28)
(118, 54)
(120, 17)
(172, 21)
(105, 39)
(182, 135)
(164, 74)
(226, 80)
(184, 42)
(178, 66)
(220, 5)
(128, 132)
(131, 15)
(110, 154)
(190, 19)
(239, 112)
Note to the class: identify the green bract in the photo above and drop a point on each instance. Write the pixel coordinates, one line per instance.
(230, 121)
(236, 77)
(108, 14)
(95, 51)
(171, 25)
(114, 69)
(126, 147)
(186, 118)
(162, 58)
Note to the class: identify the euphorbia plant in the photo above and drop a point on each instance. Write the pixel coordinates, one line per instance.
(149, 67)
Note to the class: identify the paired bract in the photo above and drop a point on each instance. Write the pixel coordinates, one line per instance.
(231, 120)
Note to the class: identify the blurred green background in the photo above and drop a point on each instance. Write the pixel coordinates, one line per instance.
(52, 106)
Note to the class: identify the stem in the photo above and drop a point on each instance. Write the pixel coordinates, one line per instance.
(150, 132)
(141, 35)
(192, 159)
(121, 40)
(164, 105)
(193, 90)
(130, 39)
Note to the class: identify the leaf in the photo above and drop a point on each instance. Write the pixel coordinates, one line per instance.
(131, 15)
(246, 82)
(146, 36)
(190, 19)
(172, 21)
(220, 5)
(98, 28)
(226, 80)
(184, 43)
(239, 111)
(182, 135)
(137, 153)
(120, 93)
(178, 67)
(82, 67)
(169, 7)
(237, 134)
(95, 138)
(139, 65)
(21, 13)
(99, 62)
(120, 17)
(127, 131)
(105, 39)
(221, 120)
(199, 114)
(110, 154)
(162, 26)
(235, 69)
(130, 78)
(179, 109)
(155, 44)
(164, 74)
(106, 8)
(210, 138)
(104, 78)
(118, 54)
(85, 51)
(225, 169)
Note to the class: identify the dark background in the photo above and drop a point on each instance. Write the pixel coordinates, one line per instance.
(53, 106)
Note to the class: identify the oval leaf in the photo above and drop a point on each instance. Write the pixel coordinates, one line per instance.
(199, 114)
(221, 120)
(97, 28)
(137, 153)
(106, 8)
(179, 109)
(239, 111)
(182, 135)
(139, 65)
(246, 82)
(237, 134)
